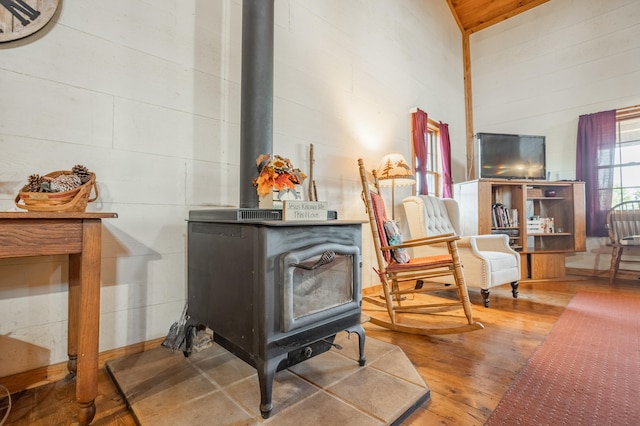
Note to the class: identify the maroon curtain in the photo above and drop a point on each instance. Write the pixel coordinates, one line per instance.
(594, 165)
(445, 150)
(418, 132)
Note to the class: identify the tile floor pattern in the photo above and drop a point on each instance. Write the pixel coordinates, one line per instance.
(213, 387)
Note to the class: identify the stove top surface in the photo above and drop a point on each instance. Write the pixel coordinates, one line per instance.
(244, 215)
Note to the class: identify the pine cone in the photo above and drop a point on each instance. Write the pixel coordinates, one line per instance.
(82, 172)
(33, 184)
(64, 183)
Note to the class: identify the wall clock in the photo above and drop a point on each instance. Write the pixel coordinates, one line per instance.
(21, 18)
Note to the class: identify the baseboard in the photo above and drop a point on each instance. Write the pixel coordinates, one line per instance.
(55, 372)
(623, 274)
(588, 272)
(571, 275)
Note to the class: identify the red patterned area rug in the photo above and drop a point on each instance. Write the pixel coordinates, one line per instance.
(586, 372)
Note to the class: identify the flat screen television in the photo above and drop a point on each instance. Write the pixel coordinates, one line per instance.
(504, 156)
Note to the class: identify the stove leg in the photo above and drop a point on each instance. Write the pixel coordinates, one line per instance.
(266, 374)
(361, 337)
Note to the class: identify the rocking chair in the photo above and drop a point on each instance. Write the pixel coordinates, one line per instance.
(404, 280)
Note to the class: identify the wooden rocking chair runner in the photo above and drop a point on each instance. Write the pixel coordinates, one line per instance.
(623, 227)
(402, 277)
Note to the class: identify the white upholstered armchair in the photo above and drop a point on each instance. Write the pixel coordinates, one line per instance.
(487, 260)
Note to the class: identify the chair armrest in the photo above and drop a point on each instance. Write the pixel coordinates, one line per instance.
(475, 256)
(487, 243)
(432, 239)
(426, 241)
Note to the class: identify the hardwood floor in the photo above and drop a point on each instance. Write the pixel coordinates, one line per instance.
(467, 373)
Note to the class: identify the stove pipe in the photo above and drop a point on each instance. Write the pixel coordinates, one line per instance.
(256, 109)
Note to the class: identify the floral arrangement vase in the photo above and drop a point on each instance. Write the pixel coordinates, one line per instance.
(277, 181)
(275, 199)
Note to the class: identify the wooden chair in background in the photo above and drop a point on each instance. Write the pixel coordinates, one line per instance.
(623, 226)
(404, 282)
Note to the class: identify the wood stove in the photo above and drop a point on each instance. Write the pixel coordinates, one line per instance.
(274, 292)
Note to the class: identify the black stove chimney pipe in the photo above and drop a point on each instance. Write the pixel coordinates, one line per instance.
(256, 110)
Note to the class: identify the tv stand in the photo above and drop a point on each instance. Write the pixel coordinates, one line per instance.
(506, 207)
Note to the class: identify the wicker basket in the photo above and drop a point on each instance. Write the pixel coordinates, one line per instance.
(74, 200)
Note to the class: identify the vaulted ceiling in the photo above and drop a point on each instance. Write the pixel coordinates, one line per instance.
(474, 15)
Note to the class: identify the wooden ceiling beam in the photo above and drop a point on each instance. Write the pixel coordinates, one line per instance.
(455, 14)
(475, 15)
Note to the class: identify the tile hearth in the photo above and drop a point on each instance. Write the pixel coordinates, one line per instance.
(165, 388)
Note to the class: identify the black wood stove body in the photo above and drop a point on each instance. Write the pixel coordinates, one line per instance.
(274, 292)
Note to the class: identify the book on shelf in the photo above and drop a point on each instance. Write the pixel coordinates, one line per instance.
(511, 232)
(504, 217)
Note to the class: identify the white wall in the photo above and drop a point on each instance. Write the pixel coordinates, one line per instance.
(538, 72)
(146, 94)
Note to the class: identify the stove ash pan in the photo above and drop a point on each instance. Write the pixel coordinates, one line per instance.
(275, 293)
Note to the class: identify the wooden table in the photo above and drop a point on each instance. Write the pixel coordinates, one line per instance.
(78, 235)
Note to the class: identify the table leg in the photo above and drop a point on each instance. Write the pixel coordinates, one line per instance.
(85, 267)
(73, 318)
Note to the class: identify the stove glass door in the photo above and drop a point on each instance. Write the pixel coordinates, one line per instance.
(319, 282)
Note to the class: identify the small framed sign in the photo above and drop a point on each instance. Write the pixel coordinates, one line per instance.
(304, 210)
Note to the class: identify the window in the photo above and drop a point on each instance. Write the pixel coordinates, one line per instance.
(626, 181)
(434, 163)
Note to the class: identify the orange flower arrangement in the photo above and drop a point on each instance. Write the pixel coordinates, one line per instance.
(276, 174)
